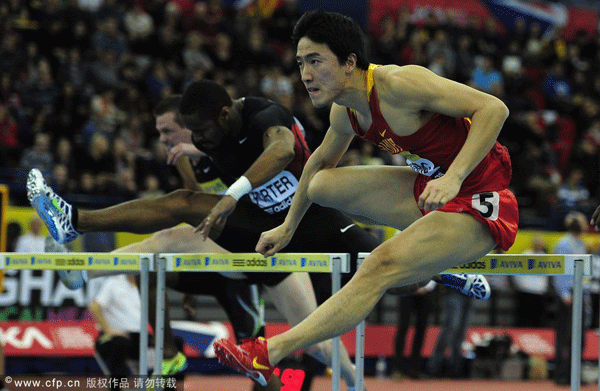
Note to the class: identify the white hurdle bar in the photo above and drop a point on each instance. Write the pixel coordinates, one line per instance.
(334, 263)
(124, 262)
(576, 265)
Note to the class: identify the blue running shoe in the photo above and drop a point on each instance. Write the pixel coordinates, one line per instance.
(472, 285)
(53, 210)
(72, 279)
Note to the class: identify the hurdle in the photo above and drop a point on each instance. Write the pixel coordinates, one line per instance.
(143, 263)
(334, 263)
(125, 262)
(576, 265)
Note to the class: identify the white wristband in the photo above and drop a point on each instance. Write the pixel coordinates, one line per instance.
(239, 188)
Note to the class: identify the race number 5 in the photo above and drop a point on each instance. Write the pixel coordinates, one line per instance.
(487, 204)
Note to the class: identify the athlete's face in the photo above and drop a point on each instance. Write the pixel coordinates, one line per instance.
(207, 135)
(171, 133)
(320, 70)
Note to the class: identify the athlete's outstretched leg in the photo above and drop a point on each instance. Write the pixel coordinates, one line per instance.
(416, 254)
(413, 255)
(65, 222)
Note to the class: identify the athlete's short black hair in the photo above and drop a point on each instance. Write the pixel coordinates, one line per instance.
(340, 33)
(204, 98)
(168, 105)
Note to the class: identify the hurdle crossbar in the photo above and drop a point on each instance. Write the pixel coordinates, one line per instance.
(576, 265)
(334, 263)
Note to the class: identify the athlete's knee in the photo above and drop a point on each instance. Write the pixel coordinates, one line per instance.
(382, 269)
(180, 198)
(165, 236)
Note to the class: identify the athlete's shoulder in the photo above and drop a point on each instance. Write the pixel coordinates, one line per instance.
(395, 82)
(339, 119)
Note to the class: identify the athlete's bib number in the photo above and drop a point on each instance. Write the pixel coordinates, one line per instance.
(487, 204)
(275, 195)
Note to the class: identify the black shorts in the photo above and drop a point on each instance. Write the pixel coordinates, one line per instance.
(240, 300)
(322, 230)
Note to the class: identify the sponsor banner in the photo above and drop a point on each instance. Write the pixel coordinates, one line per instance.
(249, 262)
(38, 295)
(379, 340)
(505, 12)
(48, 339)
(514, 264)
(72, 261)
(76, 339)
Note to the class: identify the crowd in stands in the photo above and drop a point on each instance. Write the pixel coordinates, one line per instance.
(79, 79)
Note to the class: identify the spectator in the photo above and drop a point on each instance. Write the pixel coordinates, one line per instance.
(532, 293)
(557, 89)
(62, 180)
(157, 81)
(64, 156)
(385, 44)
(439, 47)
(32, 241)
(43, 91)
(73, 70)
(9, 138)
(456, 310)
(13, 233)
(571, 243)
(151, 188)
(573, 194)
(275, 83)
(104, 71)
(106, 114)
(39, 155)
(116, 311)
(485, 76)
(194, 55)
(224, 57)
(108, 38)
(465, 59)
(140, 27)
(419, 304)
(133, 135)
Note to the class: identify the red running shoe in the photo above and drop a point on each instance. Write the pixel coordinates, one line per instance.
(250, 358)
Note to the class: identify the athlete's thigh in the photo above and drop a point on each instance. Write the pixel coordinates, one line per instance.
(383, 194)
(432, 244)
(181, 239)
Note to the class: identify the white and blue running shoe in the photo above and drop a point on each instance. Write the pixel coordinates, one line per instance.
(53, 210)
(472, 285)
(72, 279)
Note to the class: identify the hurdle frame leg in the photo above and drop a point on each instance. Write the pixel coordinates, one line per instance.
(336, 281)
(359, 355)
(577, 325)
(159, 330)
(144, 288)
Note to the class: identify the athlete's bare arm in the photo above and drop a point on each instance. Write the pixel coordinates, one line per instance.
(327, 155)
(414, 89)
(278, 144)
(186, 172)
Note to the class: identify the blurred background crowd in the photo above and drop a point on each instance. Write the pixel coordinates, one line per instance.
(79, 79)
